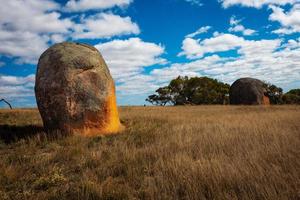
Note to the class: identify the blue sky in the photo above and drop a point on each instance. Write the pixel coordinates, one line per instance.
(147, 43)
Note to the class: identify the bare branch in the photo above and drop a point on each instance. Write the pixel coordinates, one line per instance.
(6, 103)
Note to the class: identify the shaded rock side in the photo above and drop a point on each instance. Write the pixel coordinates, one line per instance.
(75, 92)
(248, 91)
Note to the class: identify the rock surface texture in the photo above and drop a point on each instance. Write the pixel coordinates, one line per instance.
(75, 92)
(248, 91)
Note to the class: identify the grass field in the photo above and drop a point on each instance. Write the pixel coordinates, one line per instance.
(204, 152)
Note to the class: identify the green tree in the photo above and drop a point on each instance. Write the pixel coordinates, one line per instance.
(294, 92)
(191, 91)
(274, 93)
(292, 97)
(161, 98)
(205, 90)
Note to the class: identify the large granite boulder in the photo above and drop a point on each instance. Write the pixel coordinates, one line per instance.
(248, 91)
(75, 92)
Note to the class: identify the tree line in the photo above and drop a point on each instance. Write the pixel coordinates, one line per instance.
(204, 90)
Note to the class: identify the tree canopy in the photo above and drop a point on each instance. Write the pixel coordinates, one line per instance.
(191, 91)
(292, 97)
(274, 93)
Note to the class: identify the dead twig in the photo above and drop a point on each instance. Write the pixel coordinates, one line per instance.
(6, 103)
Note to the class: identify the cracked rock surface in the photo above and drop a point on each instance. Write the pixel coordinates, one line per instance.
(75, 92)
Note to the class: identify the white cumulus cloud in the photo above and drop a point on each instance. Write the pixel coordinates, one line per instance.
(255, 3)
(32, 16)
(104, 25)
(26, 27)
(83, 5)
(16, 86)
(289, 21)
(236, 26)
(201, 30)
(193, 48)
(129, 57)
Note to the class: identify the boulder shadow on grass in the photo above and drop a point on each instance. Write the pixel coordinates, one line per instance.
(13, 133)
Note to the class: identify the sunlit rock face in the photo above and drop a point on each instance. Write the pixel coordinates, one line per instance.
(75, 92)
(248, 91)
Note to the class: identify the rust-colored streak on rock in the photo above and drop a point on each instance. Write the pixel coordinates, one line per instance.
(95, 124)
(266, 100)
(112, 121)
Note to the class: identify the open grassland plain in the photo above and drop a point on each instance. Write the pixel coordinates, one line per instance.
(201, 152)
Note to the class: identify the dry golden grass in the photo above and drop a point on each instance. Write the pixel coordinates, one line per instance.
(204, 152)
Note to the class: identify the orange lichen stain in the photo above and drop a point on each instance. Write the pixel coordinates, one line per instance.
(266, 100)
(112, 121)
(108, 123)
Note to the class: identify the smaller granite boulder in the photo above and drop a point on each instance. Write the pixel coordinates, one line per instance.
(248, 91)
